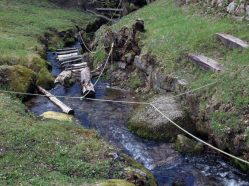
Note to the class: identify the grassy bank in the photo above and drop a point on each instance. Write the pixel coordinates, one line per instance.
(34, 151)
(171, 33)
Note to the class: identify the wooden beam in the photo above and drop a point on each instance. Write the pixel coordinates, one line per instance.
(110, 9)
(66, 56)
(72, 62)
(205, 62)
(71, 58)
(56, 101)
(65, 49)
(67, 52)
(231, 41)
(86, 84)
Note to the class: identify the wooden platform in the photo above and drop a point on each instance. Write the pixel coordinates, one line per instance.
(231, 41)
(205, 62)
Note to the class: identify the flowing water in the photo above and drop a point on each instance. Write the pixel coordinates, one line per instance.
(110, 120)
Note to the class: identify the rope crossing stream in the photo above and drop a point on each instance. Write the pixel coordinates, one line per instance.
(152, 104)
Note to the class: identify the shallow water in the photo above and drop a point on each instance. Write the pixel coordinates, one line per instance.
(110, 120)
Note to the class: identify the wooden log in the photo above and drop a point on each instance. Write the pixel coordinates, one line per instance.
(56, 101)
(76, 68)
(67, 52)
(86, 84)
(66, 56)
(205, 62)
(63, 78)
(71, 58)
(70, 62)
(110, 9)
(231, 41)
(65, 49)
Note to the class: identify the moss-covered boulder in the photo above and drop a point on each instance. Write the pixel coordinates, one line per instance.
(186, 145)
(57, 116)
(148, 123)
(114, 182)
(45, 79)
(17, 78)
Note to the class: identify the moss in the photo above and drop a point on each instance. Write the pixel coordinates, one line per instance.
(242, 166)
(187, 146)
(45, 79)
(17, 78)
(57, 116)
(135, 165)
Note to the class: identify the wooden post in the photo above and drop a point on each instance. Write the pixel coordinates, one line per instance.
(56, 101)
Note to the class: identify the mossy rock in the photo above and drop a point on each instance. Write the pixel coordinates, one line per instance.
(45, 79)
(36, 64)
(17, 78)
(114, 182)
(186, 145)
(137, 173)
(57, 116)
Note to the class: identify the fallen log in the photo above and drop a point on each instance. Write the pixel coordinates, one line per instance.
(86, 84)
(56, 101)
(205, 62)
(66, 56)
(67, 52)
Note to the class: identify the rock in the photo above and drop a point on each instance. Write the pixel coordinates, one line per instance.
(136, 176)
(148, 123)
(240, 10)
(17, 78)
(121, 65)
(57, 116)
(139, 25)
(231, 7)
(114, 182)
(186, 145)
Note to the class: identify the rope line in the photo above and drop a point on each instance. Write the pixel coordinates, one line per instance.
(156, 109)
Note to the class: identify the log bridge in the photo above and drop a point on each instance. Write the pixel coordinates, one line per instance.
(72, 62)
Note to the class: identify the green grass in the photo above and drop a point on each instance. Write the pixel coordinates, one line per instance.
(47, 152)
(172, 32)
(24, 22)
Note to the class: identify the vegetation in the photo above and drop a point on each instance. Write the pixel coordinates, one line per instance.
(38, 151)
(172, 32)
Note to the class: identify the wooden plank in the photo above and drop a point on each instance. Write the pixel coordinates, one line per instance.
(205, 62)
(56, 101)
(76, 68)
(67, 52)
(71, 58)
(71, 62)
(66, 56)
(231, 41)
(66, 49)
(110, 9)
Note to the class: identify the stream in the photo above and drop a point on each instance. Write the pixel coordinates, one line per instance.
(110, 119)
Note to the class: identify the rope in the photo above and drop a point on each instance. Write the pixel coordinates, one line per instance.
(101, 73)
(83, 42)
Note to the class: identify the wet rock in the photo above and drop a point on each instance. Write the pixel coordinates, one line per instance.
(148, 123)
(57, 116)
(136, 176)
(114, 182)
(186, 145)
(17, 78)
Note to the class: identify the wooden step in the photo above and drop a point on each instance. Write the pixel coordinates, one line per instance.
(65, 49)
(71, 58)
(205, 62)
(110, 9)
(231, 41)
(67, 52)
(66, 56)
(71, 62)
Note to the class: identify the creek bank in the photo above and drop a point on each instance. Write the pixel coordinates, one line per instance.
(135, 69)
